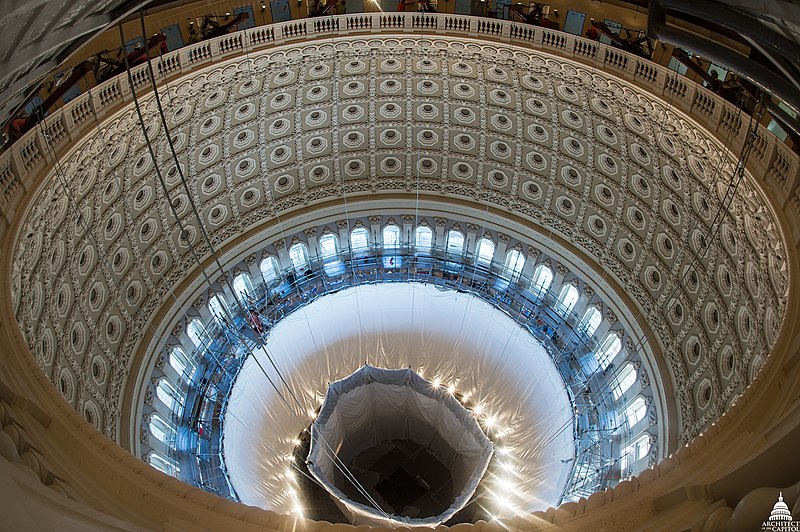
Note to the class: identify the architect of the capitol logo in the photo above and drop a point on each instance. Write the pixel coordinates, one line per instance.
(780, 518)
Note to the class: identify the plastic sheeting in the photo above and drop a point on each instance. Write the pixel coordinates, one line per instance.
(447, 335)
(374, 405)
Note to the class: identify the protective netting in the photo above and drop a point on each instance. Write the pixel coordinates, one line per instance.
(374, 406)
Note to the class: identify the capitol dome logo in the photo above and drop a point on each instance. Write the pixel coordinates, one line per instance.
(780, 518)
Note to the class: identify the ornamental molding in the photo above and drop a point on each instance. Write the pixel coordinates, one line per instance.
(643, 250)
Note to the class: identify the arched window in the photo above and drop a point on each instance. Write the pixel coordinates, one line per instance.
(179, 361)
(635, 411)
(625, 380)
(391, 237)
(217, 306)
(269, 268)
(165, 465)
(298, 254)
(591, 320)
(195, 331)
(608, 349)
(242, 286)
(168, 394)
(484, 251)
(161, 429)
(515, 260)
(636, 450)
(329, 247)
(359, 240)
(567, 298)
(455, 242)
(423, 238)
(542, 279)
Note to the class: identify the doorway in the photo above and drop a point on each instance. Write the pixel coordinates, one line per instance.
(574, 22)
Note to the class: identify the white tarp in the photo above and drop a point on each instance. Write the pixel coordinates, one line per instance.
(374, 405)
(452, 336)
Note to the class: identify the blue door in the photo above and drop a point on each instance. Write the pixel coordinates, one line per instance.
(250, 22)
(502, 8)
(174, 37)
(280, 10)
(574, 22)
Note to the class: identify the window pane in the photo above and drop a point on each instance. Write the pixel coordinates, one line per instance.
(298, 254)
(178, 360)
(328, 247)
(567, 298)
(485, 251)
(591, 320)
(423, 238)
(269, 268)
(455, 242)
(359, 239)
(217, 307)
(242, 286)
(608, 350)
(160, 429)
(635, 411)
(542, 279)
(514, 264)
(625, 380)
(391, 236)
(168, 395)
(195, 331)
(164, 465)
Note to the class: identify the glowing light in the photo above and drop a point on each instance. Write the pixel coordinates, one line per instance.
(490, 421)
(451, 389)
(507, 466)
(478, 409)
(296, 441)
(504, 451)
(298, 509)
(437, 382)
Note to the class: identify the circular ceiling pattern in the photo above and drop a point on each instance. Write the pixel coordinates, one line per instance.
(634, 185)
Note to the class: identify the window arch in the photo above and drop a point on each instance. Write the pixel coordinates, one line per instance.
(169, 395)
(635, 411)
(610, 347)
(359, 240)
(329, 247)
(195, 331)
(455, 242)
(269, 268)
(484, 251)
(298, 254)
(625, 380)
(165, 465)
(515, 261)
(542, 279)
(591, 320)
(217, 306)
(161, 429)
(567, 298)
(391, 237)
(242, 286)
(178, 360)
(423, 238)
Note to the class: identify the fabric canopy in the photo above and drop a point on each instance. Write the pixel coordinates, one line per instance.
(374, 405)
(441, 334)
